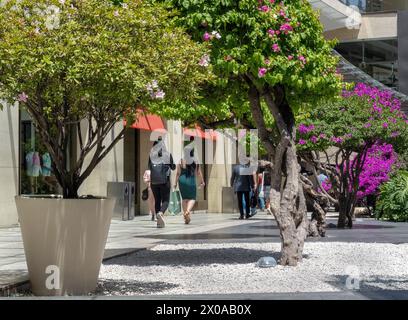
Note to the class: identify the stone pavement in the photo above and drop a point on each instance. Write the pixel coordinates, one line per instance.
(124, 237)
(129, 236)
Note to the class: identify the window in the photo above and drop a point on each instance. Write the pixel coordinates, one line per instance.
(379, 59)
(36, 173)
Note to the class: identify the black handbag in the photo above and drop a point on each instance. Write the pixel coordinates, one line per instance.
(145, 194)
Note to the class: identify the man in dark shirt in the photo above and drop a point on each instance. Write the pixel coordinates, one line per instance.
(243, 179)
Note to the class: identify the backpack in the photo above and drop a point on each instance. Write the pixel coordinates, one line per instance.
(159, 173)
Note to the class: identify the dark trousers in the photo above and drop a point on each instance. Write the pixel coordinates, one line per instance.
(244, 194)
(161, 194)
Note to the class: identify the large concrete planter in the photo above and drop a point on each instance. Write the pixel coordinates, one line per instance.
(64, 242)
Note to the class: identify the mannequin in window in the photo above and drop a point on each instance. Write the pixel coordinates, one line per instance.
(33, 164)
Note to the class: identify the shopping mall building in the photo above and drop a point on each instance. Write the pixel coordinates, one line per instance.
(373, 43)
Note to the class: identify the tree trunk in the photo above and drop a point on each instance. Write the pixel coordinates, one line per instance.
(346, 209)
(288, 203)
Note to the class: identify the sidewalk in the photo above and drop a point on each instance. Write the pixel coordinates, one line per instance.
(124, 237)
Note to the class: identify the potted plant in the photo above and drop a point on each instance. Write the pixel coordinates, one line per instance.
(78, 67)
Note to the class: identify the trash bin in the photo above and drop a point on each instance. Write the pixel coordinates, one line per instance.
(124, 193)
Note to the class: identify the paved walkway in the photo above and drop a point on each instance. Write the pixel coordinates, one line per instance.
(129, 236)
(124, 237)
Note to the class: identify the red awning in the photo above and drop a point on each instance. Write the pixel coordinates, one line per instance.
(149, 122)
(199, 132)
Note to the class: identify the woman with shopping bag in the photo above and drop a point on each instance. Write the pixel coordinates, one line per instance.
(186, 174)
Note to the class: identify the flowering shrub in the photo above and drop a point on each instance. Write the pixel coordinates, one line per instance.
(352, 125)
(361, 117)
(380, 162)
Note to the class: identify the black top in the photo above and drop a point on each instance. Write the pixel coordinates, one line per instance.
(242, 178)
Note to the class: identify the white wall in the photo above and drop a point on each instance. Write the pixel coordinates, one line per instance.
(8, 165)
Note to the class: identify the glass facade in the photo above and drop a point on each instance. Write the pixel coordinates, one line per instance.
(367, 6)
(36, 173)
(378, 58)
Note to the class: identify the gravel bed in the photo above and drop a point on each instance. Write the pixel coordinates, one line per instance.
(231, 268)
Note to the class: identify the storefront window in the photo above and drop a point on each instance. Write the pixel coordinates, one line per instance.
(379, 59)
(36, 173)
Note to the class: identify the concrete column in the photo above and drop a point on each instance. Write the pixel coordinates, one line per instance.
(9, 164)
(219, 173)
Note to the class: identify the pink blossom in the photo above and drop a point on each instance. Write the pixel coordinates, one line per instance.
(286, 27)
(395, 134)
(262, 72)
(272, 1)
(302, 59)
(304, 129)
(206, 36)
(271, 32)
(385, 125)
(313, 139)
(160, 95)
(116, 13)
(204, 61)
(267, 61)
(22, 97)
(302, 142)
(337, 140)
(264, 8)
(290, 57)
(275, 47)
(367, 125)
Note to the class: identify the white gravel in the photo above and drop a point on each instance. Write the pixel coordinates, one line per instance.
(230, 268)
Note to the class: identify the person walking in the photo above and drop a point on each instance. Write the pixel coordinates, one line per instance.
(187, 171)
(243, 179)
(150, 199)
(160, 165)
(261, 189)
(267, 190)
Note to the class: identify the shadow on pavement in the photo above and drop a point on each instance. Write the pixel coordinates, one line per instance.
(193, 257)
(129, 287)
(209, 236)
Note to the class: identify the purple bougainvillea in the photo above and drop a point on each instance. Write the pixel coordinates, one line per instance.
(380, 162)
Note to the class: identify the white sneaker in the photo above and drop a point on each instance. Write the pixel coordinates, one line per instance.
(269, 212)
(160, 220)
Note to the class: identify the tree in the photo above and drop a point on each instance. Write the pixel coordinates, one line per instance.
(268, 58)
(88, 64)
(352, 125)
